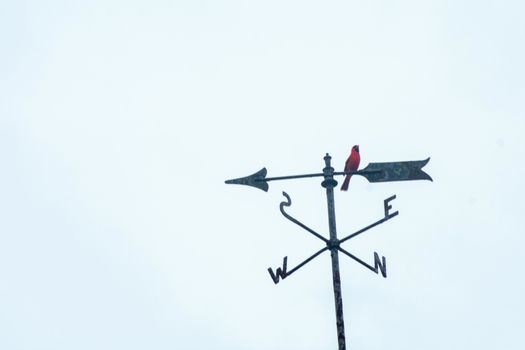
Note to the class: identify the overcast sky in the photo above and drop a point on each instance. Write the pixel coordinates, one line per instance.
(120, 121)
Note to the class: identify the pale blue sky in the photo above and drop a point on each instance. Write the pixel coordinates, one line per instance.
(120, 121)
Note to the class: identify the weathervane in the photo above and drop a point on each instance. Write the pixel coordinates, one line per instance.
(374, 172)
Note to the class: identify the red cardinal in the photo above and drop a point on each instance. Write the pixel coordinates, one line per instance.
(352, 163)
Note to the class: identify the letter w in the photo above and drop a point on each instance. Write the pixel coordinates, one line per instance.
(279, 273)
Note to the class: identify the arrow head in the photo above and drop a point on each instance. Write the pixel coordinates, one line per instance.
(395, 171)
(257, 179)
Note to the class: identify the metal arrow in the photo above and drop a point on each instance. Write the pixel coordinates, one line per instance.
(373, 172)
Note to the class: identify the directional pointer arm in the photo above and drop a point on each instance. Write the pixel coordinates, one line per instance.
(374, 172)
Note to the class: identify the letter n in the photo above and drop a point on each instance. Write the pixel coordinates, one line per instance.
(380, 264)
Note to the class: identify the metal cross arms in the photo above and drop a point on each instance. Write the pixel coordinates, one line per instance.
(379, 264)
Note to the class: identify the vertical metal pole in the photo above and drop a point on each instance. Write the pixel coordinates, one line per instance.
(329, 183)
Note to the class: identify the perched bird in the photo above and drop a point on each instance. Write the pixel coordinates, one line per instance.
(352, 163)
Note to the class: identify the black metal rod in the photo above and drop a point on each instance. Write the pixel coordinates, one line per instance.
(386, 218)
(358, 172)
(289, 177)
(357, 259)
(329, 183)
(288, 273)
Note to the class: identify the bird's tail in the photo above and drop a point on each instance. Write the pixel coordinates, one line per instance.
(344, 187)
